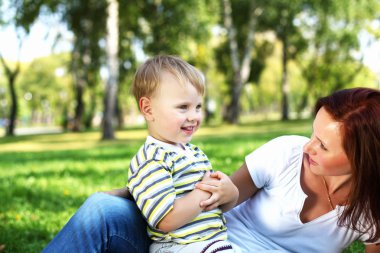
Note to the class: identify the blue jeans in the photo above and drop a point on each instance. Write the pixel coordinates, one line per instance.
(104, 223)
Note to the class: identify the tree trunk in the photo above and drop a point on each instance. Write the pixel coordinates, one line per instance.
(91, 110)
(12, 76)
(65, 117)
(113, 69)
(79, 108)
(79, 86)
(241, 70)
(284, 82)
(14, 106)
(119, 114)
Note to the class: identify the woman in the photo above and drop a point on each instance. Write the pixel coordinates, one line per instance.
(295, 194)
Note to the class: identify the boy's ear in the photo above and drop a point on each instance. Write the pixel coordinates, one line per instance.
(146, 108)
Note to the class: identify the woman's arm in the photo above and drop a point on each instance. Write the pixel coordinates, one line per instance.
(243, 181)
(372, 248)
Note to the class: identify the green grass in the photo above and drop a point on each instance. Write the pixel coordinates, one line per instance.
(45, 178)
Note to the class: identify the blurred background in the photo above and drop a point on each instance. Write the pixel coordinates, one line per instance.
(67, 65)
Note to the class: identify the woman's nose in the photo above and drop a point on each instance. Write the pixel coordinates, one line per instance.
(309, 147)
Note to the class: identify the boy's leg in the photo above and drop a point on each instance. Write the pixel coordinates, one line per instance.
(104, 223)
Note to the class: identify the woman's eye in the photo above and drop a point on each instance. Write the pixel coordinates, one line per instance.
(323, 146)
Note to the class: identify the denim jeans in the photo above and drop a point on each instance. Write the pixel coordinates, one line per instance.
(104, 223)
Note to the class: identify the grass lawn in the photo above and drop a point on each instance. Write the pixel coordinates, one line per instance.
(45, 178)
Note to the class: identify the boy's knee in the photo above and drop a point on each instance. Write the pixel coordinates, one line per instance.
(110, 205)
(92, 201)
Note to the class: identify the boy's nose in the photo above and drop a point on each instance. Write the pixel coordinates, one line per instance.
(193, 115)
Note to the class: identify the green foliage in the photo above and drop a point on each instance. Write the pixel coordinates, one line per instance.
(27, 11)
(129, 32)
(355, 247)
(333, 28)
(321, 38)
(44, 179)
(42, 78)
(172, 25)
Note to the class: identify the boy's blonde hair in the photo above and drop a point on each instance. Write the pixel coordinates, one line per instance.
(148, 75)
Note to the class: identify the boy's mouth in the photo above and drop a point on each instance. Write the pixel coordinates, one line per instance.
(189, 129)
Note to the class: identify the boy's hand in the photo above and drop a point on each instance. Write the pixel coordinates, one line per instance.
(121, 192)
(223, 192)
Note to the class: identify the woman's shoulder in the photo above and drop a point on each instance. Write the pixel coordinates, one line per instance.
(289, 140)
(283, 144)
(281, 155)
(287, 146)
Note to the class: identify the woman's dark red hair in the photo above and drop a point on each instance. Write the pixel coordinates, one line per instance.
(358, 110)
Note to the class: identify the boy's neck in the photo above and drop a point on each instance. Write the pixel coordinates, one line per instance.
(167, 144)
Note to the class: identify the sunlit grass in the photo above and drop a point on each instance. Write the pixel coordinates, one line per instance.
(45, 178)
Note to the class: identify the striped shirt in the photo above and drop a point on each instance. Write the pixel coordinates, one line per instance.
(160, 173)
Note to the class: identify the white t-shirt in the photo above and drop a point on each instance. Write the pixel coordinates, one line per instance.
(270, 221)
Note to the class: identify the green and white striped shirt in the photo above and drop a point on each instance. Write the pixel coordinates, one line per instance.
(158, 174)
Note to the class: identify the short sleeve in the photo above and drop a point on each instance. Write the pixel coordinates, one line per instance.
(365, 237)
(152, 188)
(268, 161)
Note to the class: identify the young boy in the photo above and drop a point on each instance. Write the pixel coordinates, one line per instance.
(163, 173)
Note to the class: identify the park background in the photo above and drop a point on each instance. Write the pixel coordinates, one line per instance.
(70, 125)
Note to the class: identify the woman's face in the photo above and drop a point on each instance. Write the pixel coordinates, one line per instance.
(324, 151)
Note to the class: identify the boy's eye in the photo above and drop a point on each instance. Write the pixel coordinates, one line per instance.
(182, 107)
(199, 107)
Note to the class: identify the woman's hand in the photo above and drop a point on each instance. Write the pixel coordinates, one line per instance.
(224, 193)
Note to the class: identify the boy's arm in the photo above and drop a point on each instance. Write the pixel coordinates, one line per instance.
(224, 192)
(184, 210)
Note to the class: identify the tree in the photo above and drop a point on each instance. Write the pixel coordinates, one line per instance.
(87, 20)
(282, 20)
(332, 30)
(169, 27)
(11, 77)
(241, 68)
(113, 69)
(40, 79)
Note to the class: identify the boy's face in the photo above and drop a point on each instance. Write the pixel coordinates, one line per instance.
(176, 111)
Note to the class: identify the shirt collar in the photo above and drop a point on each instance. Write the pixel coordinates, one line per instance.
(165, 145)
